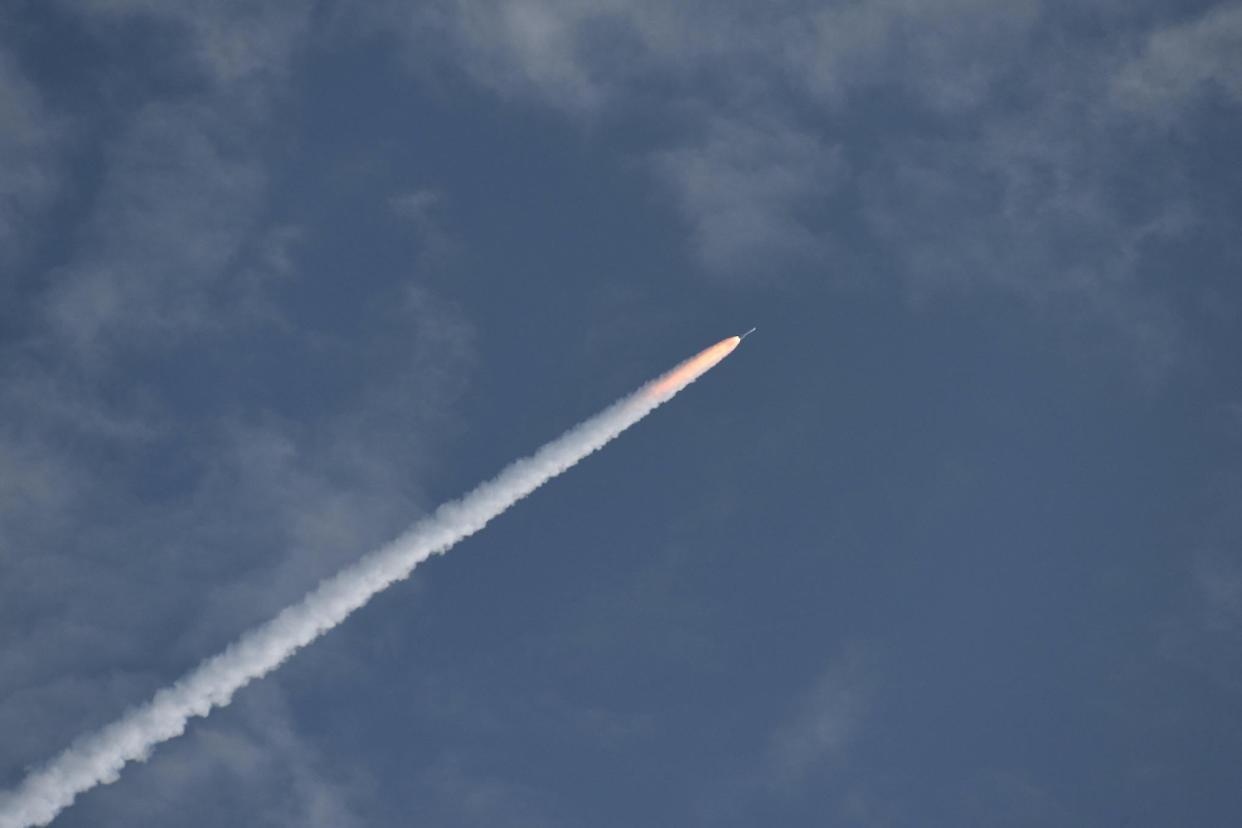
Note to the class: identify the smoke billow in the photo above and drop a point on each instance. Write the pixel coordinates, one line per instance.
(98, 758)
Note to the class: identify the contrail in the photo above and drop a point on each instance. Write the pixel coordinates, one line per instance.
(98, 758)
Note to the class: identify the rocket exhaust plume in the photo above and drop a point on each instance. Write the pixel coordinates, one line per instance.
(99, 757)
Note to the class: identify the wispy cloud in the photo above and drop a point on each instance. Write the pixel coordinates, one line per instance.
(748, 190)
(1203, 630)
(808, 749)
(180, 204)
(1026, 209)
(946, 56)
(106, 468)
(256, 767)
(241, 47)
(172, 216)
(30, 136)
(453, 791)
(1011, 799)
(1182, 63)
(990, 159)
(822, 726)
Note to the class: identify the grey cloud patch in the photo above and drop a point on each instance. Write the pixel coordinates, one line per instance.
(1007, 187)
(416, 206)
(242, 46)
(1007, 799)
(1218, 583)
(70, 405)
(30, 481)
(453, 792)
(806, 751)
(747, 190)
(947, 55)
(253, 768)
(574, 56)
(1202, 631)
(277, 504)
(1184, 62)
(266, 263)
(438, 250)
(172, 216)
(136, 530)
(29, 172)
(523, 49)
(318, 492)
(549, 50)
(1026, 207)
(185, 184)
(823, 725)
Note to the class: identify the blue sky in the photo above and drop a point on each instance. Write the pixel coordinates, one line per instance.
(955, 539)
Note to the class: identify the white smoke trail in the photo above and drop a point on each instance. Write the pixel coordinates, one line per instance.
(99, 757)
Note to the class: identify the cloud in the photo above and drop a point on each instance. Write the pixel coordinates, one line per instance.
(159, 485)
(747, 189)
(1218, 583)
(1204, 629)
(319, 492)
(416, 206)
(579, 57)
(952, 145)
(583, 55)
(254, 767)
(528, 48)
(1009, 799)
(114, 588)
(807, 753)
(438, 250)
(31, 137)
(173, 231)
(1182, 63)
(946, 56)
(823, 725)
(1026, 208)
(171, 218)
(452, 792)
(238, 45)
(31, 481)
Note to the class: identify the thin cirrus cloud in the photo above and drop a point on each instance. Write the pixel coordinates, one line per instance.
(174, 252)
(1183, 62)
(1015, 139)
(29, 142)
(828, 718)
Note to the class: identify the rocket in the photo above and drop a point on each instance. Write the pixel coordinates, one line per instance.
(695, 367)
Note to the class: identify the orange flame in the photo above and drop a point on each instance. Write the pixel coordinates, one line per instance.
(693, 368)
